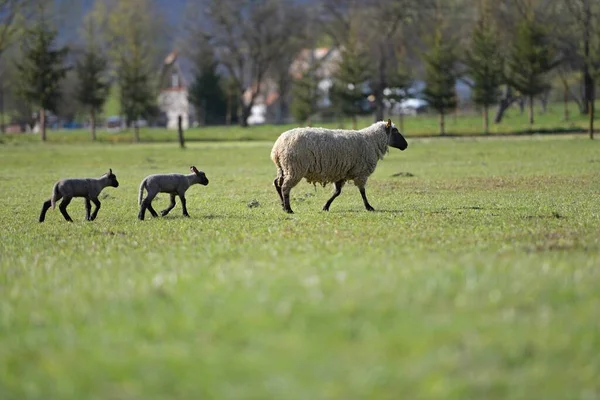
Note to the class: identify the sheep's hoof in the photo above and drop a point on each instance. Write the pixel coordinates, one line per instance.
(289, 211)
(369, 208)
(163, 213)
(325, 208)
(187, 215)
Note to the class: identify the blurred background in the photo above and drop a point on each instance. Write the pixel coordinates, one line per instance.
(458, 66)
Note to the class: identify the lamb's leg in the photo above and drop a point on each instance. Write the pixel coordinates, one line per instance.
(338, 190)
(47, 204)
(95, 213)
(63, 208)
(88, 209)
(147, 204)
(286, 188)
(183, 205)
(171, 206)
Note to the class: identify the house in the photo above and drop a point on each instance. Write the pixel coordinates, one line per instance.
(173, 96)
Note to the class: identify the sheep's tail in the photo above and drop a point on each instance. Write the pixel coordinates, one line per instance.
(141, 193)
(55, 195)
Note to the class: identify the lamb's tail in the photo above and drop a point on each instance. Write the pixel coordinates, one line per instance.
(141, 193)
(55, 196)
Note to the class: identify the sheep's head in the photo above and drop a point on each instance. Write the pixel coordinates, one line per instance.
(202, 179)
(395, 138)
(112, 178)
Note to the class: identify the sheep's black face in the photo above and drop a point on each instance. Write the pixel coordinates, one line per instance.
(395, 138)
(202, 179)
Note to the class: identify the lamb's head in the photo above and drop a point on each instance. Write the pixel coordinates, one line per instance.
(395, 138)
(112, 178)
(201, 177)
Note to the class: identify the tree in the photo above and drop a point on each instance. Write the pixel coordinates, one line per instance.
(305, 96)
(485, 66)
(42, 68)
(137, 95)
(399, 89)
(353, 73)
(248, 37)
(206, 91)
(132, 34)
(92, 70)
(440, 77)
(531, 57)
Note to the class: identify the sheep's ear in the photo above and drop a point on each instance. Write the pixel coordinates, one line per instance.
(110, 171)
(389, 123)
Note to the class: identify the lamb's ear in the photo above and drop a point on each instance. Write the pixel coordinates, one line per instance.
(110, 171)
(193, 169)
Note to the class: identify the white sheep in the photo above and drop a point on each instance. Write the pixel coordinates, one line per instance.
(331, 155)
(174, 184)
(89, 188)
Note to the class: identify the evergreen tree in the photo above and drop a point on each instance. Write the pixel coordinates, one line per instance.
(440, 77)
(399, 83)
(354, 70)
(530, 58)
(138, 99)
(484, 62)
(206, 92)
(41, 69)
(94, 87)
(305, 94)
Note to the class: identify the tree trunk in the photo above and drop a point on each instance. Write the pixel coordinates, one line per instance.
(521, 101)
(442, 131)
(2, 125)
(354, 124)
(592, 109)
(486, 119)
(93, 123)
(588, 82)
(229, 111)
(505, 102)
(180, 131)
(43, 124)
(566, 102)
(136, 132)
(245, 113)
(531, 118)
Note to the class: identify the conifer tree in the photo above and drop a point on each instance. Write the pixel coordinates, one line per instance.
(206, 92)
(530, 58)
(354, 70)
(41, 69)
(440, 77)
(484, 62)
(305, 96)
(92, 70)
(138, 98)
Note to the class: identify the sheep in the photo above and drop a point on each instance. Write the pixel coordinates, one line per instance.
(174, 184)
(325, 155)
(89, 188)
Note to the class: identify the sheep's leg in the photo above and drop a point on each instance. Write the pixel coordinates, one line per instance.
(95, 213)
(47, 204)
(183, 205)
(277, 184)
(63, 208)
(338, 190)
(360, 184)
(286, 188)
(364, 197)
(147, 205)
(88, 209)
(171, 206)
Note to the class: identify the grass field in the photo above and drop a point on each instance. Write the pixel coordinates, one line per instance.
(477, 278)
(463, 124)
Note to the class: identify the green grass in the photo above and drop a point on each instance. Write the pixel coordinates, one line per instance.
(477, 278)
(466, 124)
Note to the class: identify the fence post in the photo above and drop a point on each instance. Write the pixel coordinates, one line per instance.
(180, 131)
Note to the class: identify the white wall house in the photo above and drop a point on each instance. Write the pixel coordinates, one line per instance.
(173, 97)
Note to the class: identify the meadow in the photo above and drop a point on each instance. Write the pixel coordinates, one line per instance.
(477, 277)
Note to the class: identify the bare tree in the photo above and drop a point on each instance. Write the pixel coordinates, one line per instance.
(248, 37)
